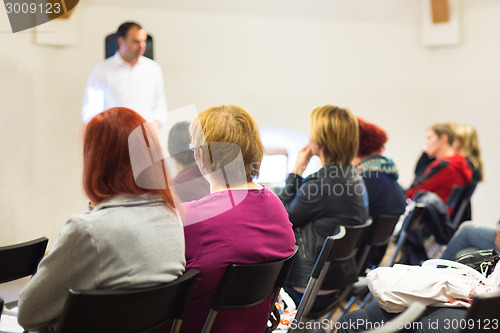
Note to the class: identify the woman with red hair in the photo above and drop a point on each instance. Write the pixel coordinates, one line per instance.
(385, 195)
(131, 238)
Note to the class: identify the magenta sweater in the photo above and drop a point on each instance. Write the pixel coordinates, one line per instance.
(226, 227)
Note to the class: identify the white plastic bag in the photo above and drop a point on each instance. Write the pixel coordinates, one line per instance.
(395, 288)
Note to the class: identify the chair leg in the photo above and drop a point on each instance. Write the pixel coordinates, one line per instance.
(366, 300)
(176, 326)
(399, 245)
(210, 321)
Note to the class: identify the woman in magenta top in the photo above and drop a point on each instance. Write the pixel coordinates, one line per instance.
(239, 222)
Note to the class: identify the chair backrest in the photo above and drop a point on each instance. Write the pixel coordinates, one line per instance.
(485, 311)
(128, 311)
(247, 285)
(341, 246)
(20, 260)
(380, 233)
(459, 200)
(414, 220)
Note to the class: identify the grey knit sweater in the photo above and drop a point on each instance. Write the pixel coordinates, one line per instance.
(125, 241)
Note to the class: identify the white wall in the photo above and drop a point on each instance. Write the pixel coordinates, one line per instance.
(279, 67)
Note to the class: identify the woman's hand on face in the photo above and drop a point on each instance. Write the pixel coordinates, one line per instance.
(303, 158)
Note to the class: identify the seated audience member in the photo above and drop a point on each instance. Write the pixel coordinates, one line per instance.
(188, 184)
(335, 195)
(467, 144)
(423, 162)
(472, 237)
(450, 169)
(239, 222)
(385, 195)
(93, 250)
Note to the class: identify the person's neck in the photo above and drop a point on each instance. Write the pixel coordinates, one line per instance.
(446, 151)
(357, 160)
(322, 159)
(131, 62)
(214, 187)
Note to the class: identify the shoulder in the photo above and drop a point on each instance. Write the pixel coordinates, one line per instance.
(106, 64)
(150, 63)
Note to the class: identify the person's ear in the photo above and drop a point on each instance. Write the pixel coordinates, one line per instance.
(120, 41)
(202, 159)
(444, 139)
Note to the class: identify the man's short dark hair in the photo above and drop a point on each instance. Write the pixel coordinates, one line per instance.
(178, 144)
(125, 27)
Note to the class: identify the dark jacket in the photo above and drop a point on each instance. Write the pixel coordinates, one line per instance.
(385, 196)
(316, 206)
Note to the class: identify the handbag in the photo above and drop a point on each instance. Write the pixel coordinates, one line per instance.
(483, 261)
(437, 282)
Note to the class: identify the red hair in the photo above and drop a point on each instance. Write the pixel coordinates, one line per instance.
(372, 138)
(107, 168)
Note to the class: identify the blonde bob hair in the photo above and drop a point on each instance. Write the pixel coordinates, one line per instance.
(335, 130)
(469, 145)
(228, 124)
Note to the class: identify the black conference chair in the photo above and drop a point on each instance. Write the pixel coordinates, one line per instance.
(337, 248)
(1, 307)
(380, 233)
(485, 310)
(414, 221)
(460, 198)
(21, 260)
(247, 285)
(128, 311)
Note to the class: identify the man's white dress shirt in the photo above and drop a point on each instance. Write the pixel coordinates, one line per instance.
(114, 82)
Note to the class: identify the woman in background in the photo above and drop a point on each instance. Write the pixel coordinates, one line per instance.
(467, 144)
(239, 222)
(449, 168)
(333, 196)
(385, 195)
(93, 250)
(188, 184)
